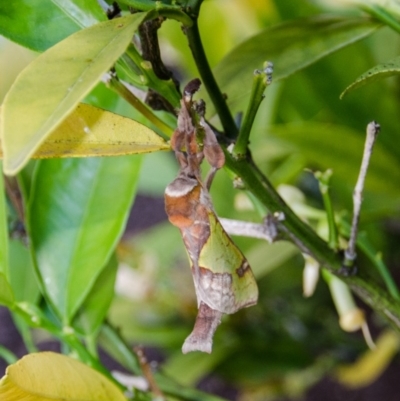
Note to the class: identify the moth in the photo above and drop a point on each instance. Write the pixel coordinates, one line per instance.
(223, 279)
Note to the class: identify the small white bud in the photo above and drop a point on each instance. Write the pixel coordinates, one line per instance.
(310, 275)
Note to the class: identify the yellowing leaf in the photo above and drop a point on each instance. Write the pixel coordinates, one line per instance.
(50, 87)
(48, 376)
(90, 131)
(371, 364)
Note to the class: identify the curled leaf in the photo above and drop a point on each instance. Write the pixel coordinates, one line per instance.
(380, 71)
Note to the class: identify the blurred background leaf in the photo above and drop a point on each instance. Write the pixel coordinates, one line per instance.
(286, 345)
(40, 25)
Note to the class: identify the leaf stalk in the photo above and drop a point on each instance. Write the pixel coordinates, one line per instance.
(117, 86)
(323, 182)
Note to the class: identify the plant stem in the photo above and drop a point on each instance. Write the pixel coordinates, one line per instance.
(25, 332)
(124, 92)
(309, 242)
(84, 355)
(113, 343)
(36, 318)
(150, 79)
(209, 81)
(7, 355)
(260, 81)
(171, 12)
(176, 391)
(323, 182)
(91, 344)
(376, 258)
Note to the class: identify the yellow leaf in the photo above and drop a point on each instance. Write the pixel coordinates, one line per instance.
(90, 131)
(52, 85)
(371, 364)
(47, 376)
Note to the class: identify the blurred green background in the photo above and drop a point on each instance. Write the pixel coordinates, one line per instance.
(286, 344)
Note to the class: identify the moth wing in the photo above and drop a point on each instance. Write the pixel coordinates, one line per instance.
(222, 275)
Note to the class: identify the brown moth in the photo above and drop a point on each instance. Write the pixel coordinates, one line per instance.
(223, 280)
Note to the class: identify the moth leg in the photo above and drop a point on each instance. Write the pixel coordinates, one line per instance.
(212, 152)
(210, 177)
(177, 140)
(201, 338)
(212, 149)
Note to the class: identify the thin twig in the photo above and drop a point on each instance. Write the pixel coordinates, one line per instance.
(267, 231)
(372, 132)
(147, 373)
(117, 86)
(302, 235)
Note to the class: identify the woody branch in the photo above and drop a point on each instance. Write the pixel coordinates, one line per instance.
(301, 234)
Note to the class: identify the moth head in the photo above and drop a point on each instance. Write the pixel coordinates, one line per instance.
(181, 186)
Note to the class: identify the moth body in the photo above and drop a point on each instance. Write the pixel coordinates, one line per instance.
(223, 280)
(222, 276)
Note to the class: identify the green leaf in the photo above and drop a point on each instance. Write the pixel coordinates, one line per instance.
(39, 25)
(6, 294)
(48, 376)
(3, 231)
(291, 46)
(77, 213)
(23, 279)
(7, 355)
(95, 307)
(48, 90)
(380, 71)
(385, 13)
